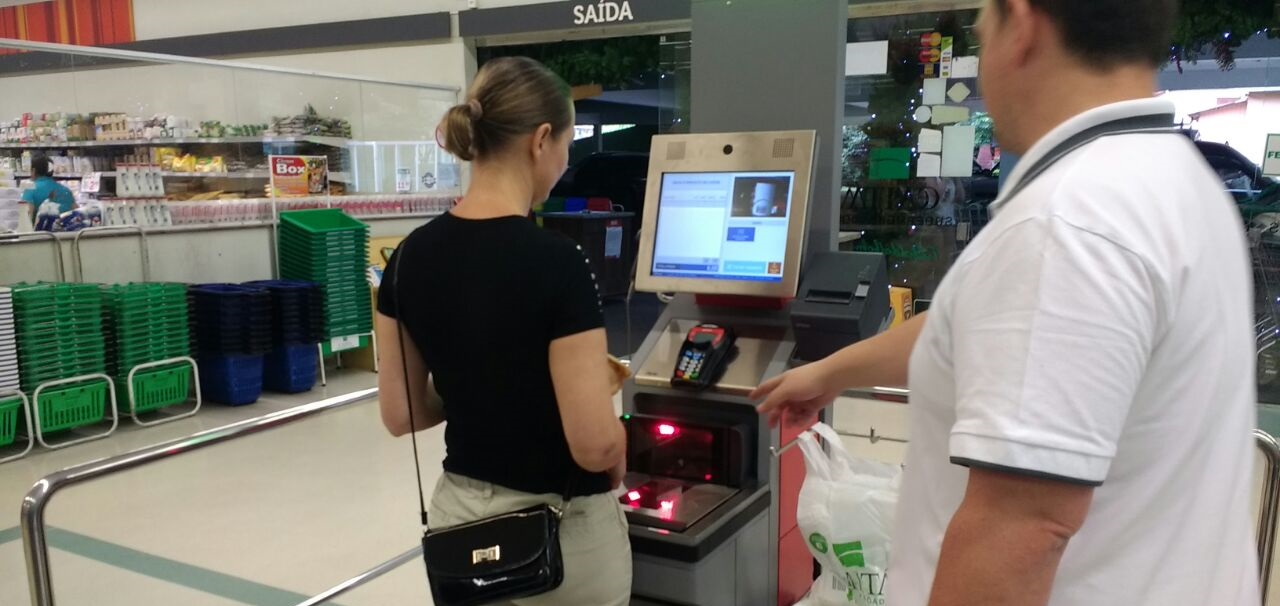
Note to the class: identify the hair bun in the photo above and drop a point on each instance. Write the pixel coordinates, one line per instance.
(477, 111)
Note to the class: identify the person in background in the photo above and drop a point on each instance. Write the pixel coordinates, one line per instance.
(506, 342)
(1082, 390)
(49, 198)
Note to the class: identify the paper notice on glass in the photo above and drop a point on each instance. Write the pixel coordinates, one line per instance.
(959, 93)
(964, 67)
(613, 240)
(948, 57)
(924, 114)
(957, 150)
(929, 165)
(866, 58)
(450, 176)
(949, 114)
(891, 164)
(930, 141)
(935, 91)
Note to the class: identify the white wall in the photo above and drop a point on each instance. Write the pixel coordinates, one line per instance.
(242, 96)
(167, 18)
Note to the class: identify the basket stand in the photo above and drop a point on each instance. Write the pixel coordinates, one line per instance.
(110, 405)
(373, 342)
(163, 418)
(26, 411)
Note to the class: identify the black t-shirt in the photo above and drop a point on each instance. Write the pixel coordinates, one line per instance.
(483, 299)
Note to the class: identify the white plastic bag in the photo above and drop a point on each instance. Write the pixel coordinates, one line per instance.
(846, 516)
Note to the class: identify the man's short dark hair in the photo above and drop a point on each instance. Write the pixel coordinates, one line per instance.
(40, 167)
(1108, 33)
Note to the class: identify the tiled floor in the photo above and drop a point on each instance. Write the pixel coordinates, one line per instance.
(267, 520)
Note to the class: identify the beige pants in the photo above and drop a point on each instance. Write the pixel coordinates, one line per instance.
(593, 538)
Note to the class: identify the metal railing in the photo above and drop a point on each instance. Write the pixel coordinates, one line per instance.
(34, 536)
(1269, 512)
(364, 577)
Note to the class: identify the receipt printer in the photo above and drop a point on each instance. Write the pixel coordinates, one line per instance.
(843, 299)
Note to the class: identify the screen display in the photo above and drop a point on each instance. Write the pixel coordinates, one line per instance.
(723, 226)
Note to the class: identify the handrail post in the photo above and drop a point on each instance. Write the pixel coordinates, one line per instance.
(34, 537)
(1269, 512)
(144, 252)
(57, 248)
(36, 543)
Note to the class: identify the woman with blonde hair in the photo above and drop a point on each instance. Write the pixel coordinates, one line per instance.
(505, 339)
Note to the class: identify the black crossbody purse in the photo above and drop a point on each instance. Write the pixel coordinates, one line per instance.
(503, 557)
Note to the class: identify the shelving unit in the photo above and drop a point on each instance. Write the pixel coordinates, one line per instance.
(340, 176)
(329, 141)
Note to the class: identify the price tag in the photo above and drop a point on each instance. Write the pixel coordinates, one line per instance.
(344, 343)
(91, 183)
(404, 181)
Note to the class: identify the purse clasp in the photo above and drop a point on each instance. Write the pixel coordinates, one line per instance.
(491, 554)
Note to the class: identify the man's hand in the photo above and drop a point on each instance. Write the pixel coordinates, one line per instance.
(798, 394)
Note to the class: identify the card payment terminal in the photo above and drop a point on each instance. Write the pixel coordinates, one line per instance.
(703, 357)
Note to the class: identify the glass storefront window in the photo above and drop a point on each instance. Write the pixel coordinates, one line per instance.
(1230, 113)
(895, 203)
(902, 195)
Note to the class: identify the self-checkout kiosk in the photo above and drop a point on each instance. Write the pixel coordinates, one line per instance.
(711, 493)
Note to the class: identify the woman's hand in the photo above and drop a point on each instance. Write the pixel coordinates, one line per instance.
(619, 372)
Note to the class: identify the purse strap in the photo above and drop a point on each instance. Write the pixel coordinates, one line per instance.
(408, 391)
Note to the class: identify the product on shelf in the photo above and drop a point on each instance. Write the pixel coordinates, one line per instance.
(216, 129)
(10, 197)
(210, 164)
(310, 123)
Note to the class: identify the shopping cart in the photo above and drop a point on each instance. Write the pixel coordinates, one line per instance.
(1264, 240)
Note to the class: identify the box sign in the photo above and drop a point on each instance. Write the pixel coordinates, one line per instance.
(573, 14)
(1271, 162)
(299, 176)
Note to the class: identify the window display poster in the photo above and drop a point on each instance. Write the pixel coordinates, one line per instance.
(613, 240)
(299, 176)
(1271, 162)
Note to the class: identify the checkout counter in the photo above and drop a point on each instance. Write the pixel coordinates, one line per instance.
(711, 493)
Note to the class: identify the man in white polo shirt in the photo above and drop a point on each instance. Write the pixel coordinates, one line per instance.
(1082, 388)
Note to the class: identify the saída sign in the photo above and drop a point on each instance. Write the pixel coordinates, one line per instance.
(603, 12)
(569, 14)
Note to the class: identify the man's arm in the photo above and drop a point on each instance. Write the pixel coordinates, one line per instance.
(879, 361)
(1004, 544)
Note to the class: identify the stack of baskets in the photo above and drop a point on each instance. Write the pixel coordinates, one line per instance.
(10, 404)
(329, 248)
(59, 334)
(147, 322)
(233, 333)
(297, 321)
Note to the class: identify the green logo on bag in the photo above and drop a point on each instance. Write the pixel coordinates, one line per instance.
(850, 554)
(819, 542)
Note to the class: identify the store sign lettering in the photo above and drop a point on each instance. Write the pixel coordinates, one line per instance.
(290, 167)
(602, 12)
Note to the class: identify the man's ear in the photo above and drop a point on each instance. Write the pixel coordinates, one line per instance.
(1025, 30)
